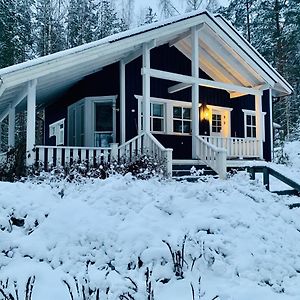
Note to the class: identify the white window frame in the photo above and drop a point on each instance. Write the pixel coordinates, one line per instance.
(182, 120)
(56, 130)
(253, 113)
(168, 104)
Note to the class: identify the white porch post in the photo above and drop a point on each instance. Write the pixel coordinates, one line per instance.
(31, 115)
(195, 91)
(11, 126)
(122, 102)
(146, 89)
(259, 123)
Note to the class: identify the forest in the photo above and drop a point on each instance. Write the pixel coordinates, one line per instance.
(34, 28)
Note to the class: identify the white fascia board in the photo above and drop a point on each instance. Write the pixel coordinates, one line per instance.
(202, 82)
(238, 49)
(262, 60)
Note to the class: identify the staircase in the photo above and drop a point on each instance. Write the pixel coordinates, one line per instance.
(190, 170)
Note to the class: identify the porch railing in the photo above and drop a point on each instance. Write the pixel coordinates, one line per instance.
(236, 147)
(63, 155)
(146, 143)
(213, 156)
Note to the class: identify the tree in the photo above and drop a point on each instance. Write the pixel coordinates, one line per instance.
(81, 22)
(147, 16)
(107, 20)
(167, 9)
(16, 31)
(50, 36)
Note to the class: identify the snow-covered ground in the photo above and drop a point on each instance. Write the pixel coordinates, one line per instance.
(242, 240)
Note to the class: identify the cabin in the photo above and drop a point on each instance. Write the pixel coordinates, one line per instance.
(188, 88)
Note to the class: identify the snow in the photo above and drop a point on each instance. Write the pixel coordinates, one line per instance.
(244, 240)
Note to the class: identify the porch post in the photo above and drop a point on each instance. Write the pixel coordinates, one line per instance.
(31, 115)
(146, 89)
(195, 91)
(122, 102)
(11, 126)
(259, 123)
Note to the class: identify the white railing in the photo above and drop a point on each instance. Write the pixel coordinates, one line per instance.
(62, 155)
(236, 147)
(146, 143)
(213, 156)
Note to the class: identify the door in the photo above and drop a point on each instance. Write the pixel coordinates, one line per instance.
(103, 124)
(217, 123)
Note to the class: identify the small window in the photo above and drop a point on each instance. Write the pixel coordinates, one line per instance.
(216, 125)
(182, 119)
(57, 129)
(250, 126)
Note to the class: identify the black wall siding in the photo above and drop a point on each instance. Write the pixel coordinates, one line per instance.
(103, 83)
(106, 82)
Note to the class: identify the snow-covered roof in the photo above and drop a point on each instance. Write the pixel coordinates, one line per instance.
(224, 55)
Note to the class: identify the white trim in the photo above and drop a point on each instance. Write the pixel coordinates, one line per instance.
(122, 101)
(31, 117)
(11, 126)
(146, 89)
(202, 82)
(253, 113)
(219, 107)
(56, 126)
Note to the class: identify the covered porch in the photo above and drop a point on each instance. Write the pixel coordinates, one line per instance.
(206, 46)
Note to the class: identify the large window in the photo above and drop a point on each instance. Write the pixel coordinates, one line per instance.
(182, 119)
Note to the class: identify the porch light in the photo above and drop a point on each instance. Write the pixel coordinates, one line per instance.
(204, 113)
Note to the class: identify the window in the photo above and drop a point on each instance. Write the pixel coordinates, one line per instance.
(250, 125)
(157, 117)
(181, 119)
(157, 114)
(216, 125)
(57, 129)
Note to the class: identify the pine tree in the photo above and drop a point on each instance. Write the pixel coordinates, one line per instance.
(107, 20)
(151, 16)
(81, 22)
(16, 31)
(49, 28)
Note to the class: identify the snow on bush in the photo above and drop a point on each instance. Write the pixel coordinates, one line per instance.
(124, 238)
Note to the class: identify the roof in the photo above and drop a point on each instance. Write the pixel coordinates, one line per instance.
(224, 55)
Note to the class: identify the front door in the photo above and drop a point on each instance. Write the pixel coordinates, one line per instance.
(218, 122)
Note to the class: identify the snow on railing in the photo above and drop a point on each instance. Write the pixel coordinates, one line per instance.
(64, 155)
(236, 147)
(213, 156)
(146, 143)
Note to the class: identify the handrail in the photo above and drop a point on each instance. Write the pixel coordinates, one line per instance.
(72, 147)
(213, 156)
(146, 143)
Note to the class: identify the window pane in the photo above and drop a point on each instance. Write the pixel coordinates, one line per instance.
(186, 113)
(177, 126)
(253, 132)
(177, 112)
(248, 120)
(248, 131)
(157, 110)
(158, 124)
(103, 117)
(186, 126)
(253, 120)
